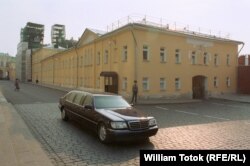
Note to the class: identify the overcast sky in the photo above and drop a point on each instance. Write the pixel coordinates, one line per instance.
(220, 16)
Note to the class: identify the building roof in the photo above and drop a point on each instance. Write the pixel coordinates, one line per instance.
(173, 32)
(98, 32)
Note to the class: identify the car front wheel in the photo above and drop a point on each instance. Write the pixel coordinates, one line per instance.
(64, 115)
(103, 134)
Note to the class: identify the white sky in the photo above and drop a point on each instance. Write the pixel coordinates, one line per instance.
(224, 16)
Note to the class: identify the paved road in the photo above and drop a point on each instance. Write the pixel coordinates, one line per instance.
(211, 124)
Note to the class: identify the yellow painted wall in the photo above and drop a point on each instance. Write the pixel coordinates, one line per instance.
(154, 69)
(37, 57)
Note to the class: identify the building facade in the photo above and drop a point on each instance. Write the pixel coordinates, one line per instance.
(166, 63)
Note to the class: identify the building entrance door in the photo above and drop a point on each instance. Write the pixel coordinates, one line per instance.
(110, 81)
(199, 87)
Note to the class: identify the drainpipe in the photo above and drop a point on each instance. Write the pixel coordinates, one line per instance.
(135, 53)
(76, 66)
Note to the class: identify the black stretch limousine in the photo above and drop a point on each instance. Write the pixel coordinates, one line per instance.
(110, 116)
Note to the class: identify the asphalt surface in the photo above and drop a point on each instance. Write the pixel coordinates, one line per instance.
(210, 124)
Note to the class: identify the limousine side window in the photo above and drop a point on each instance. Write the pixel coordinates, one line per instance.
(88, 100)
(70, 97)
(79, 98)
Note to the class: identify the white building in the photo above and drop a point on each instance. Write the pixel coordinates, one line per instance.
(57, 34)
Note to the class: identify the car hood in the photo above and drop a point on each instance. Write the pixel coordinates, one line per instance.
(122, 114)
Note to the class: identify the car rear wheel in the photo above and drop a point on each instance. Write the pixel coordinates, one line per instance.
(102, 133)
(64, 116)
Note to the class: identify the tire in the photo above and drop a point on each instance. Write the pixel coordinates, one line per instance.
(64, 115)
(103, 134)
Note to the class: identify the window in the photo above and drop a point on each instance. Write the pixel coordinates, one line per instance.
(228, 59)
(162, 54)
(177, 56)
(145, 53)
(125, 53)
(87, 100)
(102, 102)
(177, 84)
(162, 84)
(228, 82)
(205, 58)
(216, 60)
(124, 83)
(98, 58)
(106, 57)
(193, 58)
(79, 98)
(145, 83)
(70, 97)
(215, 82)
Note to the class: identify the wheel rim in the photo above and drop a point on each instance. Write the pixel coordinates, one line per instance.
(63, 114)
(102, 132)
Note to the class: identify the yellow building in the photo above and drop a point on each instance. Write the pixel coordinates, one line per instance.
(7, 66)
(165, 62)
(37, 57)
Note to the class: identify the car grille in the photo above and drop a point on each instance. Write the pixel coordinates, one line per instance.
(138, 125)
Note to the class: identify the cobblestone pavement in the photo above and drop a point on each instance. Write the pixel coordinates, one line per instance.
(206, 125)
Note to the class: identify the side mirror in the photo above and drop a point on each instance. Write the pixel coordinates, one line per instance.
(88, 107)
(132, 104)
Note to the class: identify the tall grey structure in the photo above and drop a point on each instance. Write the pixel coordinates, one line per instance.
(31, 37)
(57, 35)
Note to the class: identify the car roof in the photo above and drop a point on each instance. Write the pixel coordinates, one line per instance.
(94, 93)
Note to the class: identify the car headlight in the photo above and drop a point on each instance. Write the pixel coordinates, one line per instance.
(152, 122)
(118, 125)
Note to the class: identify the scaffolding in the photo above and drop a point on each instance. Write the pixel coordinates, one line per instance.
(33, 34)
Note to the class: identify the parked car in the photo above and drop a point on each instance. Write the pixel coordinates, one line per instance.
(110, 116)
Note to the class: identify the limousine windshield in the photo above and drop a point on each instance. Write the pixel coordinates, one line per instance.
(110, 102)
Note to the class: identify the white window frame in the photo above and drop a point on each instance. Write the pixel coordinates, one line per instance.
(163, 56)
(205, 58)
(193, 58)
(124, 83)
(216, 82)
(216, 59)
(106, 57)
(177, 56)
(177, 83)
(145, 83)
(145, 48)
(125, 53)
(163, 84)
